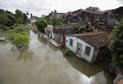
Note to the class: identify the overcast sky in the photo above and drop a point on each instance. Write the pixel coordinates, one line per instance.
(39, 7)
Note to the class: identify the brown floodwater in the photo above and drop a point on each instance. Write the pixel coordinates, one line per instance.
(42, 63)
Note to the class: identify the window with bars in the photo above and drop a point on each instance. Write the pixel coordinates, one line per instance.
(71, 42)
(87, 50)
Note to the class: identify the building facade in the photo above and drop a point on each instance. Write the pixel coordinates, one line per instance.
(89, 46)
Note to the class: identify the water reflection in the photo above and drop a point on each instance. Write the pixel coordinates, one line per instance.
(99, 78)
(85, 67)
(42, 40)
(52, 47)
(45, 64)
(25, 55)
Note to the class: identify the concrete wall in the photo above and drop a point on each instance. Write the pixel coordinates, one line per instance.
(95, 54)
(74, 47)
(57, 37)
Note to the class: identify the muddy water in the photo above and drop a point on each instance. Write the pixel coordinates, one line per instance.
(45, 64)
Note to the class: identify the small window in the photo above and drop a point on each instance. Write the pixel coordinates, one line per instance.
(71, 42)
(87, 51)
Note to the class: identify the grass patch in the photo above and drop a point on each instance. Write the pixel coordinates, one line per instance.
(67, 52)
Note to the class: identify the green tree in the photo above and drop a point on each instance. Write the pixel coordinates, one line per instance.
(21, 40)
(56, 21)
(18, 15)
(3, 19)
(6, 21)
(93, 8)
(116, 45)
(31, 15)
(55, 11)
(21, 17)
(27, 13)
(11, 20)
(41, 24)
(24, 18)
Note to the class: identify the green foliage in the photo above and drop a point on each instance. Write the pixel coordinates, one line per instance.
(93, 8)
(56, 21)
(7, 19)
(83, 29)
(41, 24)
(13, 31)
(27, 13)
(18, 15)
(21, 17)
(21, 40)
(67, 52)
(3, 19)
(31, 15)
(11, 21)
(24, 18)
(116, 45)
(4, 28)
(35, 17)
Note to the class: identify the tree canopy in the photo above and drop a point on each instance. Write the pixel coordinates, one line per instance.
(7, 19)
(54, 20)
(21, 17)
(93, 8)
(41, 24)
(116, 45)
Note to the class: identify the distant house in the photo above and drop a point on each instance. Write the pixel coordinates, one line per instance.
(32, 20)
(93, 18)
(58, 15)
(112, 17)
(49, 31)
(72, 17)
(101, 20)
(60, 31)
(89, 46)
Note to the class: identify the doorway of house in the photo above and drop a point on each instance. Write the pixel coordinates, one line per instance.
(79, 48)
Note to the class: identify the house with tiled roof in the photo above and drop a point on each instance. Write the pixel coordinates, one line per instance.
(49, 31)
(60, 31)
(91, 46)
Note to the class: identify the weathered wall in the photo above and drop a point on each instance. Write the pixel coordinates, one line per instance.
(74, 47)
(118, 78)
(57, 37)
(95, 54)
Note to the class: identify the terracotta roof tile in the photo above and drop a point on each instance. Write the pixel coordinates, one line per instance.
(96, 39)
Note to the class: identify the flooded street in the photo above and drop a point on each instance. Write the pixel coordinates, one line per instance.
(45, 64)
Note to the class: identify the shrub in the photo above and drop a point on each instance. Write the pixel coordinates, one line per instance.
(67, 52)
(21, 40)
(116, 45)
(82, 29)
(4, 28)
(41, 24)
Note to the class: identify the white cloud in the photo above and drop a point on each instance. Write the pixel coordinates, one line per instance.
(39, 7)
